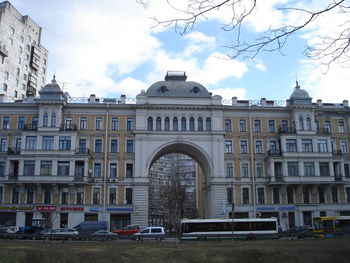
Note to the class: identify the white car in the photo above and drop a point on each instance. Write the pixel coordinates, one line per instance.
(153, 232)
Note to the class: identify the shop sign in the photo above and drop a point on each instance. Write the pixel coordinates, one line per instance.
(120, 209)
(94, 209)
(72, 209)
(21, 208)
(286, 208)
(46, 208)
(260, 208)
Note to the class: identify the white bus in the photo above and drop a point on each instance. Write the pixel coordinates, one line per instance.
(249, 228)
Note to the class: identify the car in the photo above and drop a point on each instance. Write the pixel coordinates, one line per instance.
(103, 235)
(61, 233)
(153, 232)
(128, 230)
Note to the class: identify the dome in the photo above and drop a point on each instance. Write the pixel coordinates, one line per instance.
(175, 85)
(51, 87)
(52, 91)
(300, 96)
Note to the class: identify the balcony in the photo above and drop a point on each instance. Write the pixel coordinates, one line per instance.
(31, 91)
(3, 51)
(286, 130)
(305, 179)
(68, 127)
(274, 153)
(82, 151)
(323, 131)
(337, 153)
(13, 151)
(30, 127)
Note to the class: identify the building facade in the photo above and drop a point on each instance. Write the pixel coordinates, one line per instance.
(72, 160)
(23, 60)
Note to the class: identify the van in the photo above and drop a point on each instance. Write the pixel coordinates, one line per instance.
(89, 227)
(153, 232)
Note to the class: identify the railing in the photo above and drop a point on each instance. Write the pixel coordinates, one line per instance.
(274, 152)
(13, 151)
(289, 130)
(30, 127)
(337, 152)
(69, 127)
(323, 131)
(82, 150)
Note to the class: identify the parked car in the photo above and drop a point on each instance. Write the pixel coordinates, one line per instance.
(128, 230)
(10, 229)
(153, 232)
(61, 233)
(104, 235)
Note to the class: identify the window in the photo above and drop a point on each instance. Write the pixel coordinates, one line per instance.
(98, 123)
(82, 146)
(30, 142)
(96, 196)
(3, 145)
(175, 124)
(228, 126)
(1, 194)
(322, 146)
(6, 123)
(324, 169)
(200, 124)
(20, 123)
(183, 124)
(113, 170)
(292, 168)
(306, 145)
(98, 145)
(15, 194)
(327, 126)
(257, 126)
(53, 120)
(341, 127)
(259, 170)
(83, 123)
(335, 194)
(309, 169)
(129, 124)
(45, 120)
(47, 195)
(301, 123)
(242, 126)
(308, 123)
(6, 75)
(63, 168)
(307, 218)
(229, 170)
(129, 170)
(344, 147)
(273, 146)
(291, 145)
(167, 124)
(30, 195)
(69, 123)
(2, 168)
(258, 147)
(97, 170)
(306, 195)
(45, 167)
(321, 195)
(192, 128)
(228, 146)
(65, 143)
(80, 196)
(208, 124)
(28, 168)
(290, 195)
(347, 170)
(114, 145)
(244, 170)
(244, 147)
(229, 192)
(261, 195)
(245, 195)
(272, 127)
(150, 124)
(128, 196)
(129, 146)
(284, 125)
(4, 87)
(112, 196)
(158, 124)
(47, 142)
(276, 195)
(64, 196)
(114, 124)
(347, 192)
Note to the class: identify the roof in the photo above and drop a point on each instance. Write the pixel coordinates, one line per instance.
(300, 96)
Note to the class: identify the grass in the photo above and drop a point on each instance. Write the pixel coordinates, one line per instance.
(310, 251)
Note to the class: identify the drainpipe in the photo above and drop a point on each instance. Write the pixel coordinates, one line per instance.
(105, 165)
(252, 158)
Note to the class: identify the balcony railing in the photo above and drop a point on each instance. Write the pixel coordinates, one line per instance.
(337, 152)
(69, 127)
(13, 151)
(323, 131)
(283, 130)
(82, 150)
(274, 152)
(30, 127)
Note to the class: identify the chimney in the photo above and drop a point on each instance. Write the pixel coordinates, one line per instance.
(122, 99)
(234, 100)
(346, 103)
(319, 103)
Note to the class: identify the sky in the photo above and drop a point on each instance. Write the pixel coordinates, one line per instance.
(112, 47)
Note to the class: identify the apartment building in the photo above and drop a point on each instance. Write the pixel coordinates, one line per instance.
(23, 60)
(72, 160)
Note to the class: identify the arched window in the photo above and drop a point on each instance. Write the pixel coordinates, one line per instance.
(191, 124)
(183, 124)
(327, 126)
(150, 124)
(45, 120)
(308, 123)
(208, 124)
(158, 124)
(175, 124)
(200, 124)
(167, 124)
(301, 123)
(53, 120)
